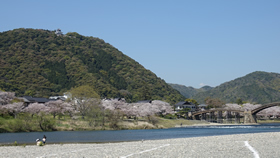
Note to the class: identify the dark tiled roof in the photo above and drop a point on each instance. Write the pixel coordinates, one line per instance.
(184, 103)
(38, 100)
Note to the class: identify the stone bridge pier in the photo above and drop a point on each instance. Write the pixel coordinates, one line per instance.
(249, 117)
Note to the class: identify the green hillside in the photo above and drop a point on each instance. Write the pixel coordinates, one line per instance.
(41, 64)
(256, 87)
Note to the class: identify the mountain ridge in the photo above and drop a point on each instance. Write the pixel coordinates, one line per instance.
(40, 63)
(256, 87)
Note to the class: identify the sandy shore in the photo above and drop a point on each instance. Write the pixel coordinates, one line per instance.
(242, 145)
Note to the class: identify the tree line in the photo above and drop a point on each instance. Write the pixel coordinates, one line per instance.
(83, 103)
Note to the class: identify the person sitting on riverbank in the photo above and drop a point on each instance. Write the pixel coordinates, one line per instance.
(44, 139)
(38, 142)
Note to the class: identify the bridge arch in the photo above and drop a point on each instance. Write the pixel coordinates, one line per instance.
(249, 116)
(195, 114)
(255, 111)
(201, 115)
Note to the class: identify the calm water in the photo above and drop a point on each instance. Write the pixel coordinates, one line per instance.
(134, 135)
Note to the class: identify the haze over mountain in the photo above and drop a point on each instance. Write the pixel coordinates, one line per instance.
(40, 63)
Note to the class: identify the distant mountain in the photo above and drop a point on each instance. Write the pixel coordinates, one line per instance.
(257, 87)
(189, 92)
(42, 63)
(205, 88)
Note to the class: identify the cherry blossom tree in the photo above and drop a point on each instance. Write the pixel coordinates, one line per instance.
(116, 110)
(114, 104)
(156, 107)
(14, 108)
(231, 106)
(83, 98)
(6, 97)
(3, 110)
(249, 106)
(164, 107)
(68, 108)
(270, 112)
(117, 106)
(55, 107)
(148, 110)
(59, 107)
(36, 108)
(132, 110)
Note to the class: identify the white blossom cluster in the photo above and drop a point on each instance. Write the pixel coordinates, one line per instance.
(6, 97)
(53, 107)
(138, 109)
(57, 107)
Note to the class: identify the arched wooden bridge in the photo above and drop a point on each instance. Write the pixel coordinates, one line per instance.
(249, 116)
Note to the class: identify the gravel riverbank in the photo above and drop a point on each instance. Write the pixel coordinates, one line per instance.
(241, 145)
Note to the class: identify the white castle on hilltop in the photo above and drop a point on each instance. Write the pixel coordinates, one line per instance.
(58, 32)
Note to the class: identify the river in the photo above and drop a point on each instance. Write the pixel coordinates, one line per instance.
(135, 135)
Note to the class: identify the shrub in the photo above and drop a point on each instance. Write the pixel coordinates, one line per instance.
(169, 116)
(16, 125)
(27, 122)
(46, 124)
(153, 120)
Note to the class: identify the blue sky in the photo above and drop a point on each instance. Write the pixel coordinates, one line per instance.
(188, 42)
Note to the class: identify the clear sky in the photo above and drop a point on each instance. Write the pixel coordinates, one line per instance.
(188, 42)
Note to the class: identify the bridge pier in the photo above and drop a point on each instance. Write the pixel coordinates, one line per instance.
(203, 116)
(220, 117)
(228, 117)
(195, 117)
(237, 117)
(249, 117)
(212, 116)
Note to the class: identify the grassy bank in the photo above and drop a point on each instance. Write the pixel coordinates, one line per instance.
(170, 123)
(269, 121)
(27, 123)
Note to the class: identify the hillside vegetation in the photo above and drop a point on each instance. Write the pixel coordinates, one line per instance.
(257, 87)
(41, 64)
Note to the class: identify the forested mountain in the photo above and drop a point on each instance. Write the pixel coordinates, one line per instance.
(41, 64)
(257, 87)
(189, 92)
